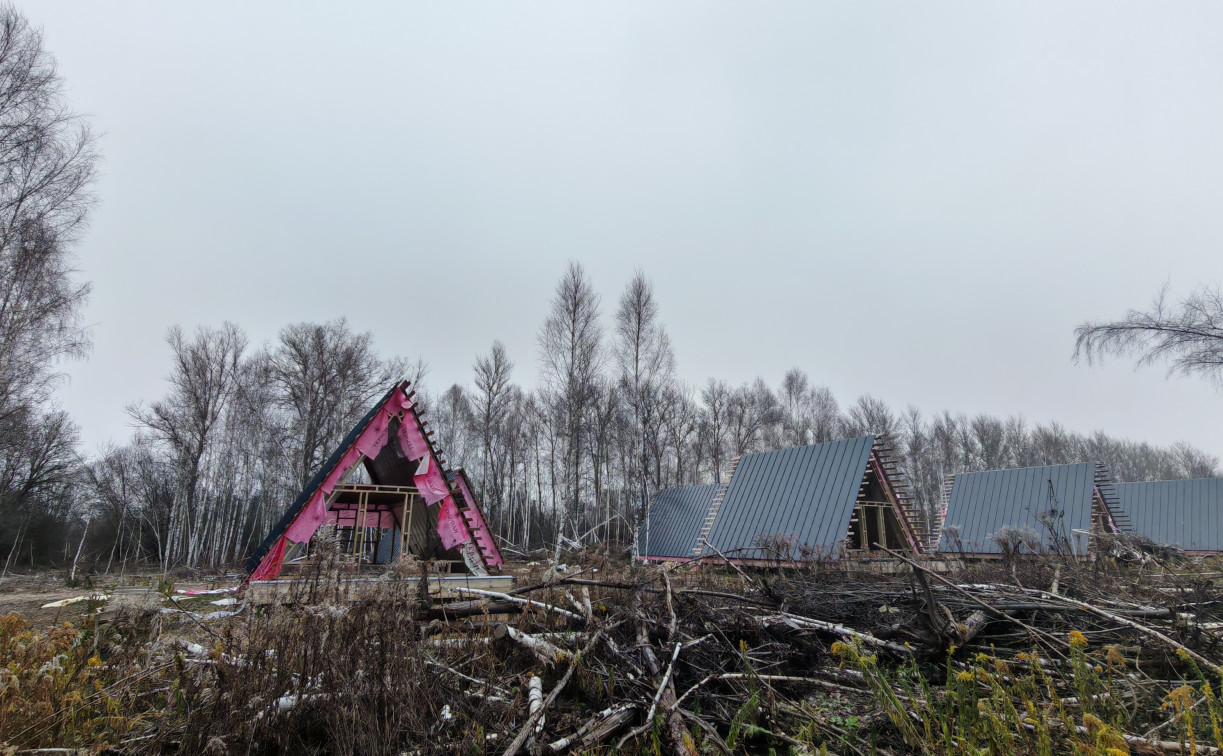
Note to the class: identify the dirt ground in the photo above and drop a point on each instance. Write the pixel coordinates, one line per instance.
(27, 593)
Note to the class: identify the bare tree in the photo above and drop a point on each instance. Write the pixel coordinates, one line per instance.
(203, 380)
(646, 362)
(870, 415)
(1187, 334)
(571, 360)
(454, 418)
(753, 410)
(47, 163)
(989, 438)
(811, 414)
(491, 406)
(715, 397)
(325, 377)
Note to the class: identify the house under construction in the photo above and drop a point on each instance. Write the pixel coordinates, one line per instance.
(412, 503)
(823, 501)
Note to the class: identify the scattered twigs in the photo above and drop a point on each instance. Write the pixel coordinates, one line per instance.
(1035, 632)
(1169, 721)
(747, 580)
(1150, 631)
(498, 693)
(602, 664)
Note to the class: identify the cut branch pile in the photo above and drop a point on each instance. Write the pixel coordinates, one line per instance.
(1036, 656)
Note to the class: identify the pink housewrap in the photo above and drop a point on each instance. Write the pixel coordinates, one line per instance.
(492, 553)
(314, 513)
(450, 525)
(368, 444)
(412, 441)
(430, 481)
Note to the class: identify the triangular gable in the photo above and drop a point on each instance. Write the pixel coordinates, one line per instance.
(393, 422)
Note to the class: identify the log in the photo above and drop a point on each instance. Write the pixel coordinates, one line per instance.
(472, 609)
(544, 651)
(601, 727)
(524, 602)
(798, 622)
(535, 698)
(973, 625)
(526, 731)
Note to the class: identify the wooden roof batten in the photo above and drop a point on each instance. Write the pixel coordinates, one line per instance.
(895, 484)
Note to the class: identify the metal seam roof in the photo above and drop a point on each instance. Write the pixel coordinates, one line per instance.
(982, 503)
(805, 493)
(674, 521)
(1181, 513)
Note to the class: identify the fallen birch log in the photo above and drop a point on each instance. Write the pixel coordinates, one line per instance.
(517, 600)
(601, 727)
(797, 622)
(535, 699)
(527, 729)
(543, 650)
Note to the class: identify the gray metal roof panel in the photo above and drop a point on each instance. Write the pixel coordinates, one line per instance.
(1181, 513)
(806, 494)
(982, 503)
(674, 521)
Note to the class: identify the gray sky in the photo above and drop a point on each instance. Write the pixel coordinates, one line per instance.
(914, 200)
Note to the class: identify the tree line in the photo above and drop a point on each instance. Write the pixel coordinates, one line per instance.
(213, 463)
(575, 452)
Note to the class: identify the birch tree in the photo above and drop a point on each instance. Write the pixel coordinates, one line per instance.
(1187, 334)
(490, 407)
(48, 162)
(325, 378)
(646, 364)
(203, 380)
(571, 360)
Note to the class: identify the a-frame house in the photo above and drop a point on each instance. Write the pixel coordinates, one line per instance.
(1062, 506)
(412, 502)
(839, 499)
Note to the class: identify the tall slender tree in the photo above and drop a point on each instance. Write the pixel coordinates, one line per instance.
(202, 382)
(491, 406)
(646, 364)
(571, 360)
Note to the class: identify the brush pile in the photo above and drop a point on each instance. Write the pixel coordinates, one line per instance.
(1033, 655)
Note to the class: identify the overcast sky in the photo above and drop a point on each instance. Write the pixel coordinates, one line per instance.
(913, 200)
